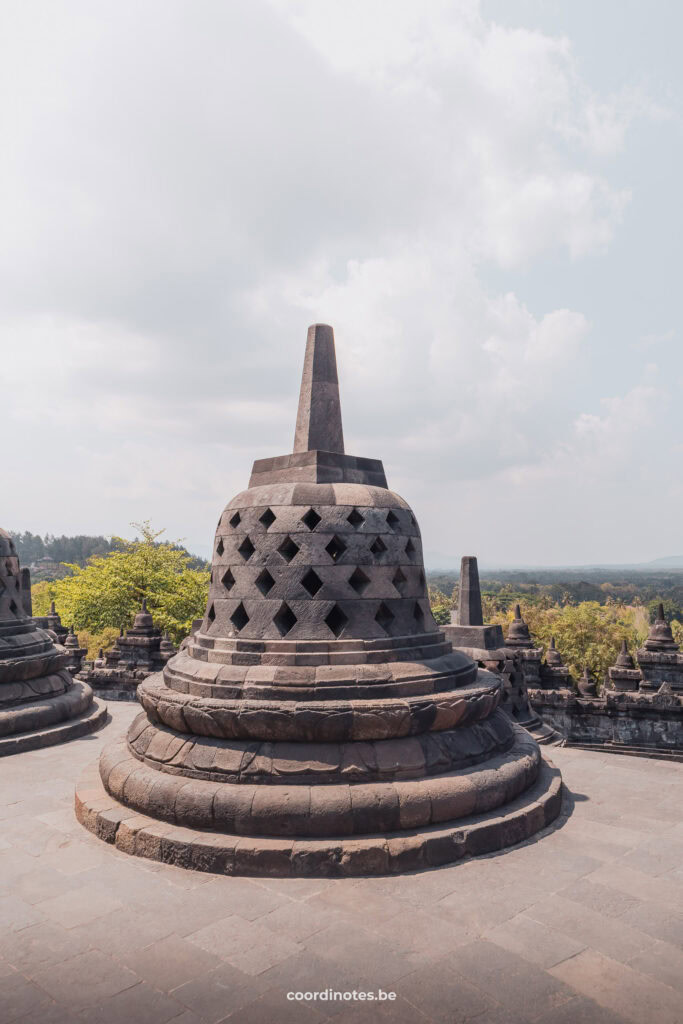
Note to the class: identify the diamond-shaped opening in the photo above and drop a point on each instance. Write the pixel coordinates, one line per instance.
(236, 520)
(239, 617)
(311, 582)
(311, 519)
(265, 582)
(219, 547)
(285, 619)
(410, 548)
(336, 548)
(246, 548)
(355, 518)
(422, 578)
(288, 549)
(392, 520)
(336, 620)
(418, 614)
(399, 581)
(378, 547)
(384, 617)
(228, 580)
(211, 614)
(268, 518)
(358, 580)
(13, 607)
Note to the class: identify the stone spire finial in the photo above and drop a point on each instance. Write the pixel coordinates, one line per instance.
(518, 612)
(553, 656)
(469, 605)
(52, 608)
(318, 421)
(144, 604)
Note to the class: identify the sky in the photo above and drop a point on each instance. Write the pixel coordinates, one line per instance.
(482, 198)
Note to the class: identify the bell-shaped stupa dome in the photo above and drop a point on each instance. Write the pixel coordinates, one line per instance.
(318, 721)
(40, 704)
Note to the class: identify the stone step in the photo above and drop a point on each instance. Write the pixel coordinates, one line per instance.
(88, 721)
(430, 846)
(658, 753)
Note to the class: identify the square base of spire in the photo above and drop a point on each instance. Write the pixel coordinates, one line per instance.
(318, 467)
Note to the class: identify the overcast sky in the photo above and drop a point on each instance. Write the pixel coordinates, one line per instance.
(483, 199)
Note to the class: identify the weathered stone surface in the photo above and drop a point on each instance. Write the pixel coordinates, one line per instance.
(317, 716)
(39, 702)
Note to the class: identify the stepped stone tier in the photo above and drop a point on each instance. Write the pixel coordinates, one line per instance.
(40, 704)
(50, 621)
(486, 645)
(318, 722)
(136, 654)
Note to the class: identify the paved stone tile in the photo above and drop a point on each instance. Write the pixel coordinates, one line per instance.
(79, 907)
(50, 1012)
(422, 936)
(170, 962)
(41, 884)
(309, 973)
(657, 919)
(122, 931)
(645, 887)
(354, 898)
(140, 1004)
(619, 988)
(661, 961)
(655, 857)
(397, 1011)
(601, 898)
(19, 997)
(298, 920)
(612, 937)
(240, 896)
(16, 914)
(215, 995)
(84, 980)
(579, 1010)
(443, 995)
(372, 961)
(536, 942)
(521, 987)
(486, 907)
(41, 945)
(270, 1008)
(247, 945)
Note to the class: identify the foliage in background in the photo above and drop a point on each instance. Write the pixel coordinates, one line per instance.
(108, 591)
(585, 634)
(440, 605)
(30, 547)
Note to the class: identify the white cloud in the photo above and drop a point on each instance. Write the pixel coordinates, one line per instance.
(185, 187)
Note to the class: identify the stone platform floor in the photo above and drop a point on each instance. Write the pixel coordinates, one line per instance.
(583, 925)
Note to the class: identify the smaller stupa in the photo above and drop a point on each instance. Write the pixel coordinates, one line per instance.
(136, 654)
(554, 673)
(75, 651)
(50, 621)
(40, 704)
(587, 686)
(486, 645)
(623, 675)
(660, 659)
(520, 640)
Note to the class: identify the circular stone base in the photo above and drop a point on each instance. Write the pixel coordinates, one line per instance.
(430, 846)
(90, 720)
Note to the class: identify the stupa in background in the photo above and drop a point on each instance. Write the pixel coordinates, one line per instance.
(136, 654)
(486, 646)
(40, 704)
(318, 722)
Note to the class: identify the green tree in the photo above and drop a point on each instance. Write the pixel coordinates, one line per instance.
(441, 606)
(109, 590)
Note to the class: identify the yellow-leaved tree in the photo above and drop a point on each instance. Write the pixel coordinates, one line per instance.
(104, 596)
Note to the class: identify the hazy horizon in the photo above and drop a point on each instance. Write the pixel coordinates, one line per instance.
(481, 198)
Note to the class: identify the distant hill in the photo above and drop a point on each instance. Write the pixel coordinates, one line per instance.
(670, 562)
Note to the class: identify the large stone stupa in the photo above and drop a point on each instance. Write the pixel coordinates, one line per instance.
(318, 722)
(40, 704)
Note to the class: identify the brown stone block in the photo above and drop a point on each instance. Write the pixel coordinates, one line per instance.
(375, 807)
(194, 804)
(330, 811)
(232, 807)
(414, 803)
(320, 858)
(280, 811)
(452, 797)
(365, 857)
(257, 856)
